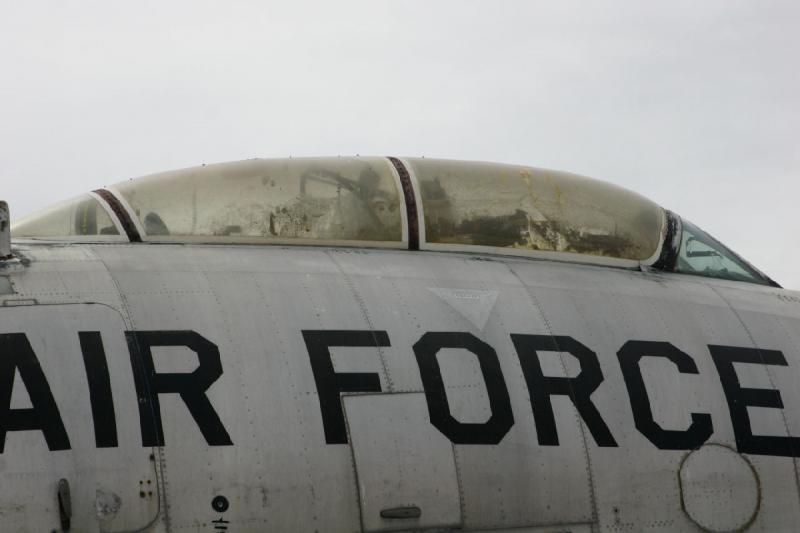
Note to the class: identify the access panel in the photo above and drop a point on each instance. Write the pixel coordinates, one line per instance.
(72, 456)
(405, 467)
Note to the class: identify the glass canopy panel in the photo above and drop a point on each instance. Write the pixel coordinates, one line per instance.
(81, 216)
(702, 255)
(507, 206)
(315, 199)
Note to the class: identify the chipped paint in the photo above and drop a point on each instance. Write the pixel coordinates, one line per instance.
(106, 504)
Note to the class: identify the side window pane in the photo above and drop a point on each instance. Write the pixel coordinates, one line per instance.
(353, 199)
(507, 206)
(702, 255)
(82, 216)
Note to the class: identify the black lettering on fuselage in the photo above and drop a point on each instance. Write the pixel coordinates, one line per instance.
(330, 384)
(579, 389)
(501, 420)
(16, 354)
(96, 365)
(740, 398)
(629, 356)
(190, 386)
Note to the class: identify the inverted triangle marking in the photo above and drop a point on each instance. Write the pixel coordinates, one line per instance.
(474, 305)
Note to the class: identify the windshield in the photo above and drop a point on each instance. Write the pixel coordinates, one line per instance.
(702, 255)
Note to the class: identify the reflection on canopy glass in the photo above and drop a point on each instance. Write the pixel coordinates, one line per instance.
(327, 199)
(510, 206)
(82, 216)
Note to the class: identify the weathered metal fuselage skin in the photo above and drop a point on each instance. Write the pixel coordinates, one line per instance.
(267, 388)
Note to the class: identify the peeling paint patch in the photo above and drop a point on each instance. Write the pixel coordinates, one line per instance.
(12, 509)
(20, 302)
(107, 504)
(5, 285)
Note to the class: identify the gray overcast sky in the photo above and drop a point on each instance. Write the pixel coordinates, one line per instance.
(693, 104)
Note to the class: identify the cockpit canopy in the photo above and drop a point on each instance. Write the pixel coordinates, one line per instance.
(375, 202)
(525, 208)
